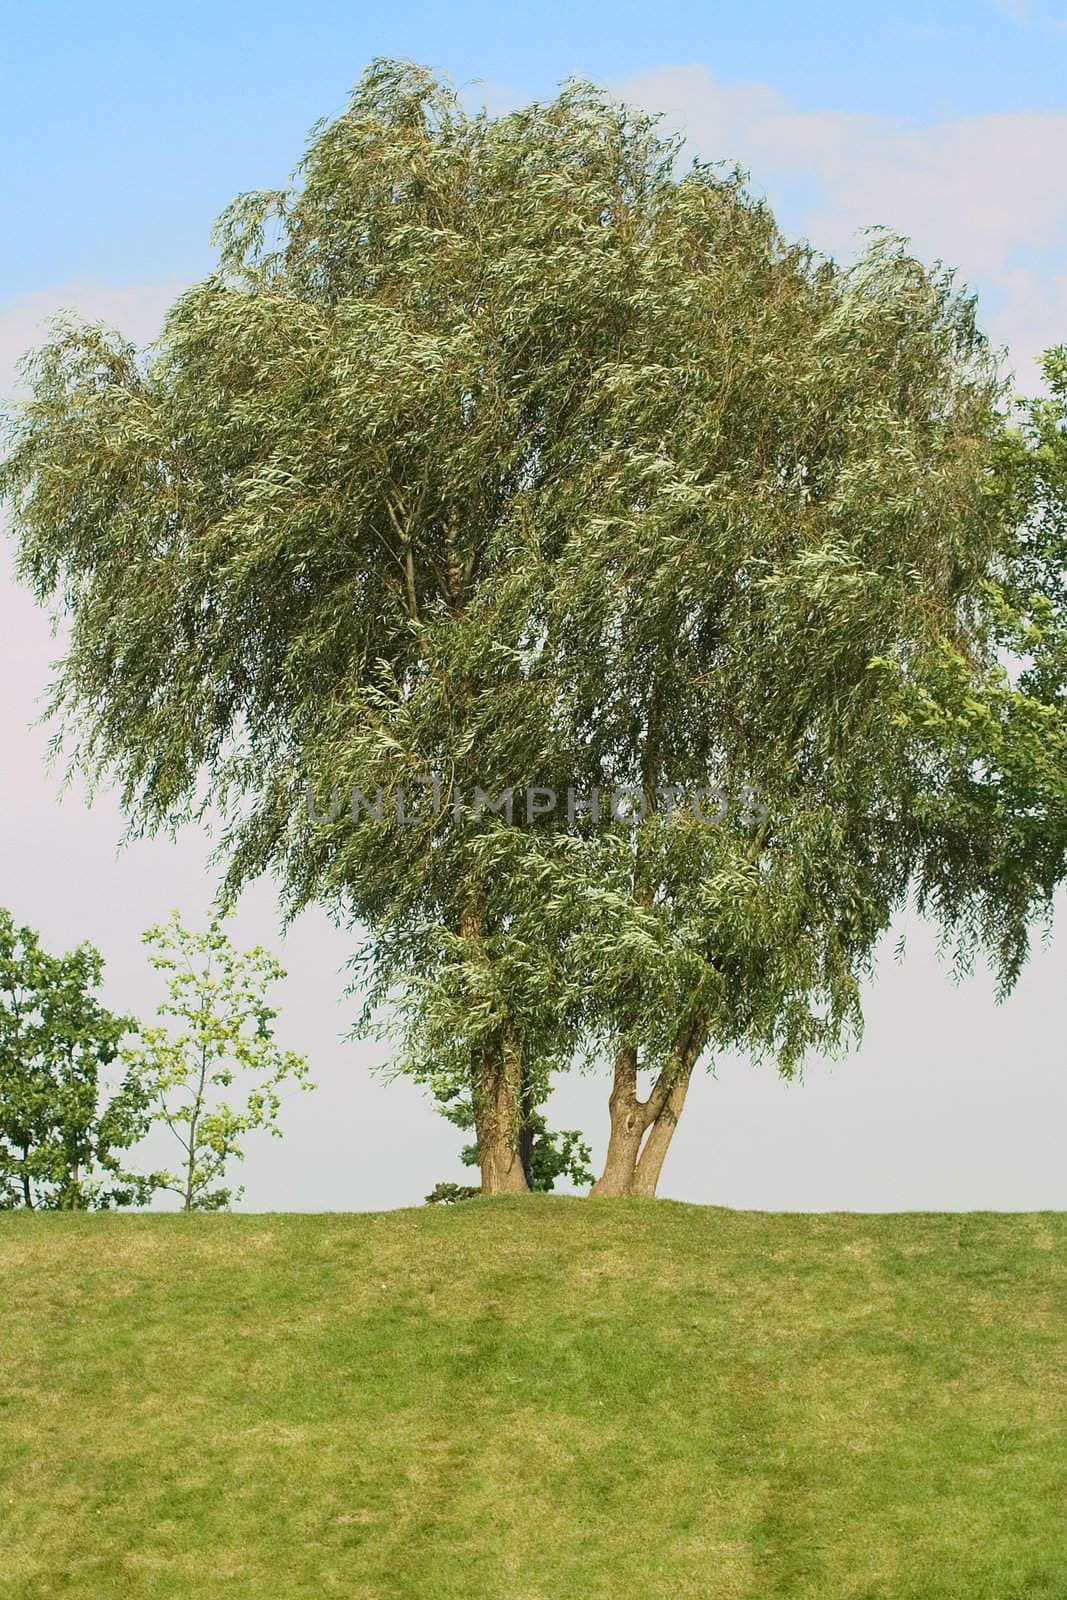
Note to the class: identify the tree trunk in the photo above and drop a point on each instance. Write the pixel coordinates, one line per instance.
(497, 1095)
(642, 1130)
(628, 1125)
(498, 1118)
(527, 1108)
(654, 1151)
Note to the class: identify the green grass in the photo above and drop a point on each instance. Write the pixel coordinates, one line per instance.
(540, 1399)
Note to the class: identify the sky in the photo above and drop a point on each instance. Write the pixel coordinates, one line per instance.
(125, 131)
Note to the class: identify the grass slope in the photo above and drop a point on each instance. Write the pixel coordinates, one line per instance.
(542, 1399)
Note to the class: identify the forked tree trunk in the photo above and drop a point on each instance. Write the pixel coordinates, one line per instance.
(654, 1150)
(642, 1130)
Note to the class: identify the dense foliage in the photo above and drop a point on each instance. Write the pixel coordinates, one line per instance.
(64, 1128)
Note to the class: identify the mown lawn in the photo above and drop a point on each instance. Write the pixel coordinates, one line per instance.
(538, 1399)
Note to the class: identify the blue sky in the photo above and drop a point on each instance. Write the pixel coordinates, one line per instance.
(126, 130)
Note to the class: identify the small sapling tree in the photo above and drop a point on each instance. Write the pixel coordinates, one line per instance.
(212, 1067)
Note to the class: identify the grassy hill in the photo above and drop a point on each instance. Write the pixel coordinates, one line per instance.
(540, 1399)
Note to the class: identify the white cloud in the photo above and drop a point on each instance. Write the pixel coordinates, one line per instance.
(1017, 10)
(136, 310)
(1027, 15)
(976, 192)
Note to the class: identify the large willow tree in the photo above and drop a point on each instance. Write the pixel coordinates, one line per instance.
(499, 454)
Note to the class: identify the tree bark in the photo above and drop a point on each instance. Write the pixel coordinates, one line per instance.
(642, 1130)
(497, 1094)
(628, 1125)
(498, 1120)
(654, 1150)
(527, 1108)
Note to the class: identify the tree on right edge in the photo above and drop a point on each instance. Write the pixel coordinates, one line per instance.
(805, 591)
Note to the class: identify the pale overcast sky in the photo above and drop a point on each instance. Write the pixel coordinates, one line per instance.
(126, 131)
